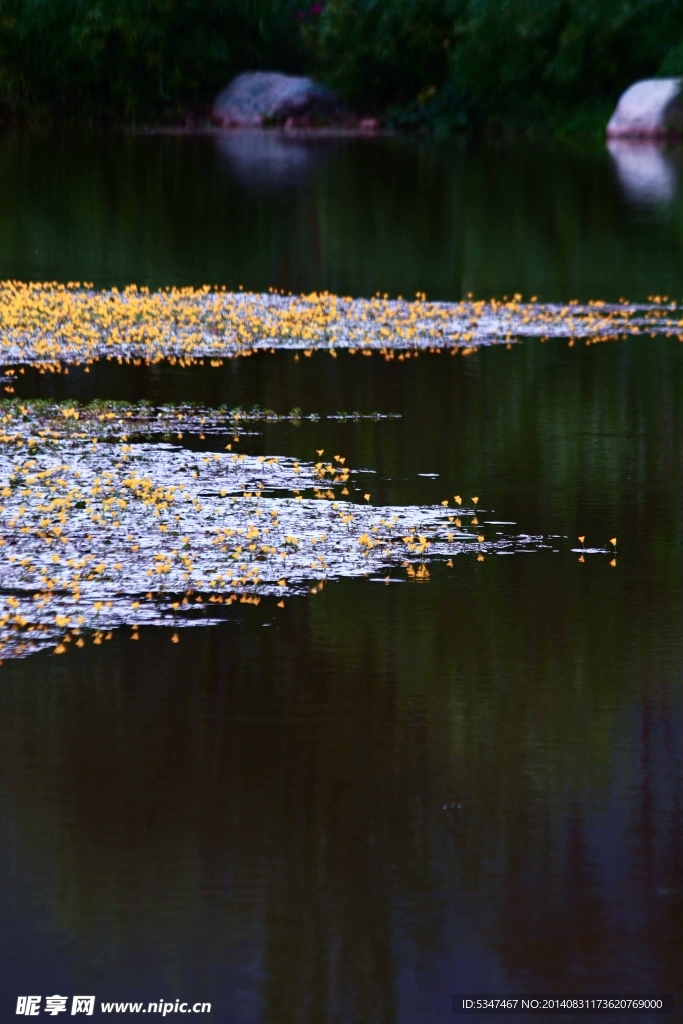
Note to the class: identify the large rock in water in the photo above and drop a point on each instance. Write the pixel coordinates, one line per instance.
(259, 97)
(649, 110)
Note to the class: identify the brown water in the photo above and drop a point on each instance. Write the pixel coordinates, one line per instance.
(348, 809)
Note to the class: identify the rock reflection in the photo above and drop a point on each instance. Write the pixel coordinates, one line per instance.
(267, 159)
(647, 171)
(389, 215)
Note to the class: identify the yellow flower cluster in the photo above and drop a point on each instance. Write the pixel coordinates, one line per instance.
(52, 324)
(96, 536)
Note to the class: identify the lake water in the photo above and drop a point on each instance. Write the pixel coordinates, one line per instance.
(469, 780)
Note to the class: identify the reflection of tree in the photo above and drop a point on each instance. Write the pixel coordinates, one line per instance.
(282, 791)
(353, 216)
(225, 777)
(288, 796)
(555, 920)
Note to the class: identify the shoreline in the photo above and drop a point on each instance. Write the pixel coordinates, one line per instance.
(326, 132)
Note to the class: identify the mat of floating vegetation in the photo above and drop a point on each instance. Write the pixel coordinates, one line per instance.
(98, 531)
(108, 419)
(49, 324)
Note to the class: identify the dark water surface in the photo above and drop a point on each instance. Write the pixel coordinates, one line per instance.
(350, 808)
(352, 216)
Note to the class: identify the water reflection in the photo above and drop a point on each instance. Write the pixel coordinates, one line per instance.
(317, 815)
(268, 160)
(354, 216)
(647, 171)
(392, 792)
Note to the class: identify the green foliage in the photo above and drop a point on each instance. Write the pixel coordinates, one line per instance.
(131, 58)
(442, 65)
(380, 52)
(672, 65)
(449, 62)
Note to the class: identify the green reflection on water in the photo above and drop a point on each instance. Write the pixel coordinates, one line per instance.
(357, 216)
(389, 781)
(391, 792)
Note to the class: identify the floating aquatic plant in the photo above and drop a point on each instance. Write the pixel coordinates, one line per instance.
(106, 419)
(49, 325)
(99, 532)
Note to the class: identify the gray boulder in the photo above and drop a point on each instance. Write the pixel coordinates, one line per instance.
(649, 109)
(259, 97)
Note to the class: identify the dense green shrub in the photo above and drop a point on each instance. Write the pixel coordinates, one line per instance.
(439, 64)
(132, 58)
(380, 51)
(449, 61)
